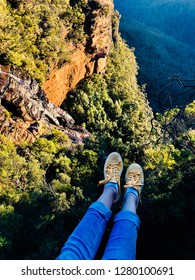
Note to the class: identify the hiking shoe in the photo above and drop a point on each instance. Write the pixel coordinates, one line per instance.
(134, 178)
(113, 168)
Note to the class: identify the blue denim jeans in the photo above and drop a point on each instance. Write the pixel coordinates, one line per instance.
(84, 242)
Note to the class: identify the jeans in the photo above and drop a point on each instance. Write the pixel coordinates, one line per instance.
(84, 242)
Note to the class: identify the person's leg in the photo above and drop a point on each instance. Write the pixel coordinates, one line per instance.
(84, 242)
(122, 241)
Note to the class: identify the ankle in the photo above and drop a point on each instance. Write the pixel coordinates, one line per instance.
(132, 190)
(110, 191)
(108, 196)
(112, 186)
(130, 202)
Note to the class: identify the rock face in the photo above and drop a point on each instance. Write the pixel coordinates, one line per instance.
(26, 113)
(86, 58)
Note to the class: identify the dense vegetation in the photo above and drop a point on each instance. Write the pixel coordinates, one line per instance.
(161, 50)
(45, 188)
(44, 28)
(114, 107)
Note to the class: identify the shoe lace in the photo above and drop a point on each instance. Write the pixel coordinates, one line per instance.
(134, 179)
(112, 173)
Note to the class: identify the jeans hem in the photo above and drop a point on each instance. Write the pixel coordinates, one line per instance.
(128, 215)
(102, 209)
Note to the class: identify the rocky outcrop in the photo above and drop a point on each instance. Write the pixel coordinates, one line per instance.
(87, 57)
(26, 113)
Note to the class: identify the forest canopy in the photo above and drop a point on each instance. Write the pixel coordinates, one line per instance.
(161, 33)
